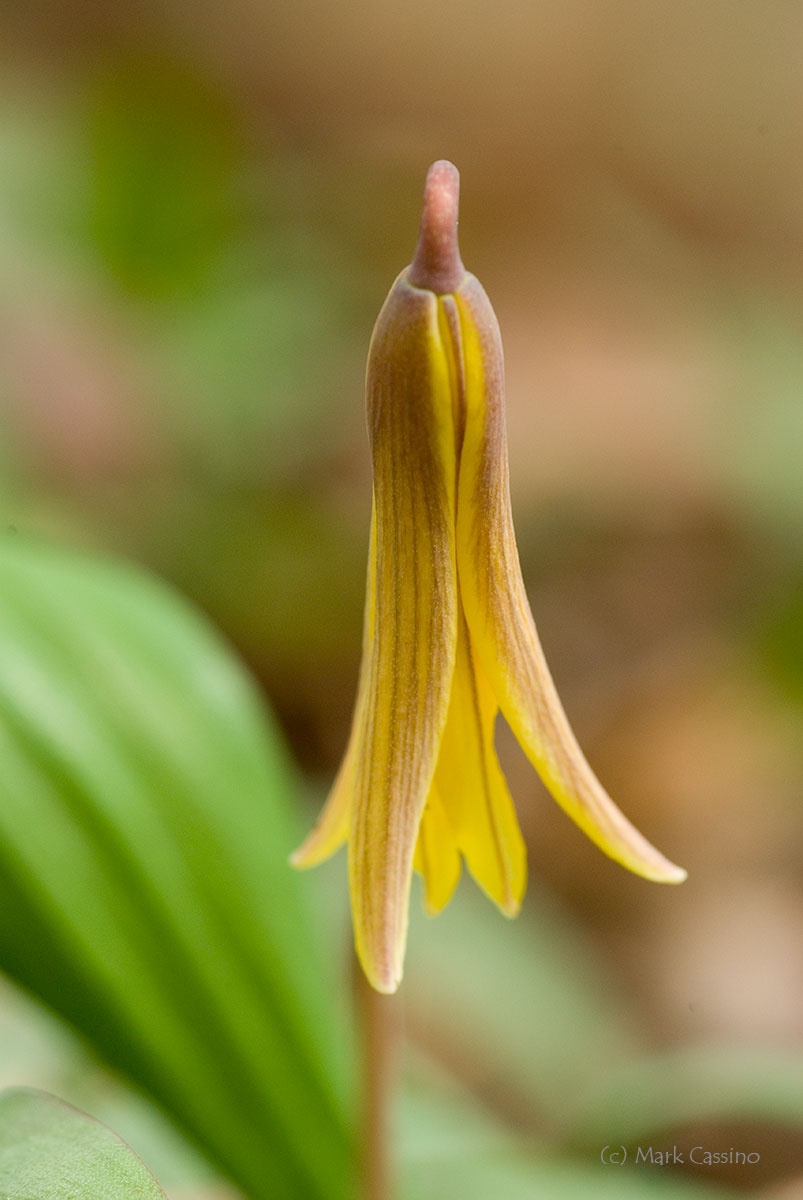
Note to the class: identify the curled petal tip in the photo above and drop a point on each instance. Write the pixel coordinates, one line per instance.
(386, 987)
(384, 976)
(437, 265)
(648, 862)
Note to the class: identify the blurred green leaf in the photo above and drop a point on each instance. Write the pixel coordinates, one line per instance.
(666, 1091)
(144, 889)
(49, 1151)
(541, 1032)
(525, 1005)
(516, 1175)
(253, 539)
(252, 368)
(162, 173)
(452, 1150)
(780, 640)
(39, 1051)
(757, 441)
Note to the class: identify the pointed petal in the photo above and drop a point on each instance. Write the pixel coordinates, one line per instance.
(475, 795)
(332, 827)
(411, 426)
(436, 855)
(498, 613)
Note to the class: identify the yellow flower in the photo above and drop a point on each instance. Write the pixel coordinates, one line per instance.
(448, 636)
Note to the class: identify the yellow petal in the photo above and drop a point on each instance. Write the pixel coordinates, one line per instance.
(411, 427)
(473, 789)
(436, 855)
(332, 827)
(498, 613)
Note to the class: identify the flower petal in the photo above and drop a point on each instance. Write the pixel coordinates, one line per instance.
(437, 857)
(411, 426)
(475, 796)
(332, 827)
(500, 622)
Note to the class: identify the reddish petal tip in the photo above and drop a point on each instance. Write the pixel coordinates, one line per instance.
(437, 265)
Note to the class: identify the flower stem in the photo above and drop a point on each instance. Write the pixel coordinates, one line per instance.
(378, 1018)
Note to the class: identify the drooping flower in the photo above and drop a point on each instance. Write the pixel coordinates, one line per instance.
(448, 637)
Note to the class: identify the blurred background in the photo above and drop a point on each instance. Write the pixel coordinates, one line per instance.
(202, 208)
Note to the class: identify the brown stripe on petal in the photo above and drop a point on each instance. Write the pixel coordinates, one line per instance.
(501, 626)
(411, 429)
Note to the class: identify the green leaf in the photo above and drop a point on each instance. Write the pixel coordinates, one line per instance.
(539, 1021)
(452, 1150)
(519, 1176)
(162, 164)
(144, 888)
(647, 1096)
(50, 1151)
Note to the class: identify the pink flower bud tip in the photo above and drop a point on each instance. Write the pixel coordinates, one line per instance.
(437, 265)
